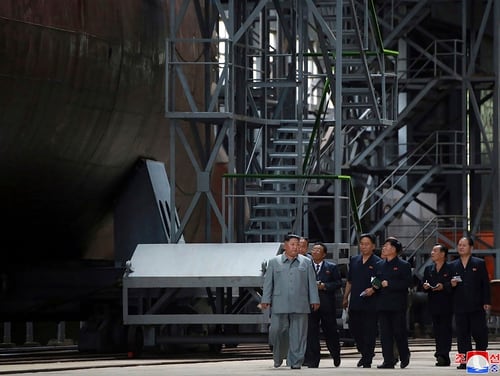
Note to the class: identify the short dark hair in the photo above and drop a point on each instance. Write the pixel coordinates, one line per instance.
(442, 248)
(369, 236)
(395, 243)
(322, 245)
(291, 236)
(469, 239)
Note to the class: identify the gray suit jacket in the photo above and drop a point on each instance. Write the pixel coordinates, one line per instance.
(290, 286)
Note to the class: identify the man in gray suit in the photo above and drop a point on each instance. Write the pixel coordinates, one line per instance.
(290, 289)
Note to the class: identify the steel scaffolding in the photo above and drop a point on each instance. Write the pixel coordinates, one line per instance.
(400, 96)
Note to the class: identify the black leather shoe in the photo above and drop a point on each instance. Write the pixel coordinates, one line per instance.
(385, 365)
(336, 360)
(461, 366)
(367, 365)
(442, 361)
(405, 362)
(361, 363)
(295, 367)
(278, 364)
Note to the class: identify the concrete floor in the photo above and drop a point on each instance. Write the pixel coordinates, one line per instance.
(422, 363)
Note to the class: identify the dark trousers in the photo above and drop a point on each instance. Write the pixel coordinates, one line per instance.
(393, 329)
(471, 324)
(328, 322)
(442, 327)
(363, 327)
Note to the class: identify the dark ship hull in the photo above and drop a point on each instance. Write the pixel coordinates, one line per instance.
(81, 101)
(82, 88)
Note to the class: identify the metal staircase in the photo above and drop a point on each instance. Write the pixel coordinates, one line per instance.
(363, 81)
(364, 78)
(277, 200)
(410, 174)
(310, 88)
(426, 76)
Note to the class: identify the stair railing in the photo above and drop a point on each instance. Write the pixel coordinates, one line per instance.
(444, 229)
(429, 150)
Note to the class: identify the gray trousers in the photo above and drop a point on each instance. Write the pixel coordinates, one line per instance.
(288, 336)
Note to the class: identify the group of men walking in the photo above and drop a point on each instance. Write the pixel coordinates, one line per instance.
(300, 289)
(459, 288)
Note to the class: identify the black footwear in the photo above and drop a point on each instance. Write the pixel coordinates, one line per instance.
(385, 365)
(278, 364)
(361, 363)
(312, 365)
(405, 362)
(461, 366)
(440, 364)
(295, 367)
(442, 361)
(367, 365)
(336, 360)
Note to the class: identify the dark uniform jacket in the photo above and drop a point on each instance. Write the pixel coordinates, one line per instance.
(474, 291)
(397, 273)
(328, 274)
(440, 302)
(360, 276)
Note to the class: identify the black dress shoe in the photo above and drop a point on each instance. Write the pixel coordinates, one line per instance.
(461, 366)
(336, 360)
(361, 362)
(385, 365)
(405, 362)
(295, 367)
(367, 365)
(442, 361)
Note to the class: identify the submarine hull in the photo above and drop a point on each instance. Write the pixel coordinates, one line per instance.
(82, 91)
(82, 88)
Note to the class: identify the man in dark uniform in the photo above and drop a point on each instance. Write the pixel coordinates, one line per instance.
(471, 298)
(362, 301)
(437, 283)
(395, 279)
(328, 282)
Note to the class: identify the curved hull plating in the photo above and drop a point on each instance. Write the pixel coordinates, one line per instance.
(81, 99)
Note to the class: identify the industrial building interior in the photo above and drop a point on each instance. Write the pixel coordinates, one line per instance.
(256, 118)
(345, 116)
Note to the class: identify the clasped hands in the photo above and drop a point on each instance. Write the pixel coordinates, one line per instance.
(438, 287)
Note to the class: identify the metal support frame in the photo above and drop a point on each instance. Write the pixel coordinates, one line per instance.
(154, 289)
(269, 50)
(269, 74)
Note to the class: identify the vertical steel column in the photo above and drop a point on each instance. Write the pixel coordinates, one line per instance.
(30, 340)
(170, 50)
(301, 25)
(496, 131)
(61, 332)
(338, 152)
(7, 334)
(465, 125)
